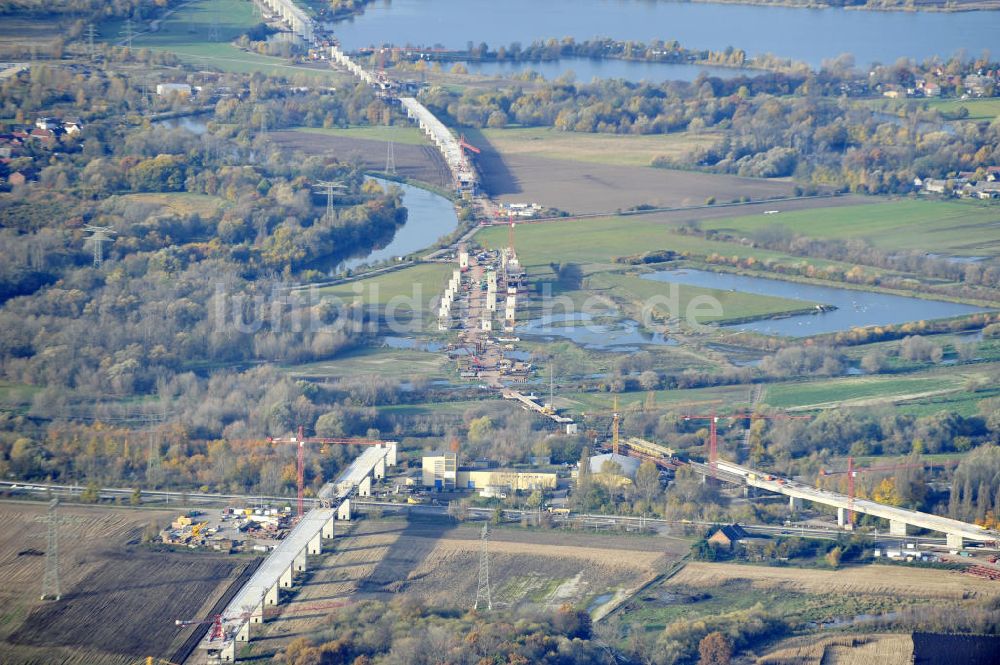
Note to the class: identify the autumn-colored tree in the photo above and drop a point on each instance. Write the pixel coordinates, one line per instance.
(715, 649)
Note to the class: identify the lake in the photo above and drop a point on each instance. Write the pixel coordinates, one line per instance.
(586, 69)
(429, 216)
(809, 35)
(854, 308)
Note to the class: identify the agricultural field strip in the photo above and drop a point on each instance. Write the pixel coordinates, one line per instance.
(959, 227)
(872, 578)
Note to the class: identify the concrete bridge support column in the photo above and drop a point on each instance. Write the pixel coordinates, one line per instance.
(897, 528)
(228, 652)
(315, 545)
(327, 530)
(344, 511)
(365, 487)
(795, 503)
(243, 634)
(257, 616)
(285, 581)
(955, 541)
(380, 469)
(390, 455)
(271, 597)
(300, 560)
(841, 516)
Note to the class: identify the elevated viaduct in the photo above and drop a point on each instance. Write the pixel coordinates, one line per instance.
(294, 16)
(463, 172)
(250, 605)
(955, 531)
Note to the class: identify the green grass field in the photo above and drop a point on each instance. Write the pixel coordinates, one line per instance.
(13, 395)
(422, 282)
(736, 306)
(614, 149)
(381, 361)
(596, 242)
(407, 134)
(979, 109)
(187, 33)
(962, 228)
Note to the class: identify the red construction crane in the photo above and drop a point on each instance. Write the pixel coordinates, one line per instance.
(467, 146)
(713, 433)
(217, 632)
(301, 440)
(852, 472)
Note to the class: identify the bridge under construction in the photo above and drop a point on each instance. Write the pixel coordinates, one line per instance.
(250, 605)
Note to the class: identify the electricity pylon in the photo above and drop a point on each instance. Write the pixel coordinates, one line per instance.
(328, 187)
(390, 159)
(99, 236)
(127, 33)
(483, 592)
(50, 582)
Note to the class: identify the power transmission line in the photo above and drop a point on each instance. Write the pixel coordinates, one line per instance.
(50, 581)
(213, 28)
(390, 159)
(483, 592)
(99, 236)
(127, 32)
(329, 187)
(91, 33)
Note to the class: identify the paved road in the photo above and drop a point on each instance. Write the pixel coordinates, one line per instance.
(596, 521)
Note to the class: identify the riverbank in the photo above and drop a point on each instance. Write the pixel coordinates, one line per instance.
(942, 7)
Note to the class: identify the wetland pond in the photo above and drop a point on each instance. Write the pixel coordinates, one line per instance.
(854, 308)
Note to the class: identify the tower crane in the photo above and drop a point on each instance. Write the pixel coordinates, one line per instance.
(853, 471)
(301, 440)
(713, 432)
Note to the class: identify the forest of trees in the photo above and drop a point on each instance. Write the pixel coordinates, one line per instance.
(773, 125)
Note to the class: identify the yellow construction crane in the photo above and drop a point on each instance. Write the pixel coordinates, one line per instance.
(152, 660)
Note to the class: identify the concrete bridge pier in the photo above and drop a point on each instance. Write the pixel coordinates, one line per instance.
(300, 560)
(841, 516)
(271, 597)
(897, 528)
(794, 504)
(380, 469)
(344, 511)
(285, 581)
(228, 652)
(328, 529)
(955, 541)
(365, 487)
(257, 616)
(315, 545)
(243, 634)
(390, 455)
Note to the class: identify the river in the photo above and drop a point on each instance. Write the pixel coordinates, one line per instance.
(809, 35)
(854, 308)
(429, 216)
